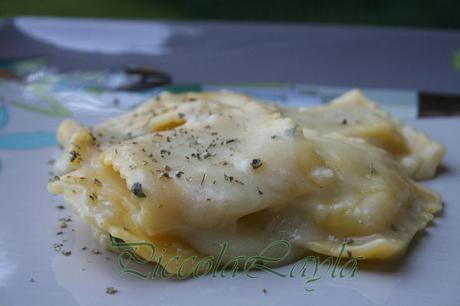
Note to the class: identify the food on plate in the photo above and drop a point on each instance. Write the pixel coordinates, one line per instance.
(352, 114)
(186, 172)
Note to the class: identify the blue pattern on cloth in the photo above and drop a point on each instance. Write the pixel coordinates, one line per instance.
(4, 116)
(27, 140)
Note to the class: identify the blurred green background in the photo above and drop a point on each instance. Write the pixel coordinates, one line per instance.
(421, 13)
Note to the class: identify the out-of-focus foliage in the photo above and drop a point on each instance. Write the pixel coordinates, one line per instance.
(422, 13)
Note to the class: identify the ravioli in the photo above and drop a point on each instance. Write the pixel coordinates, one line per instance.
(352, 114)
(188, 172)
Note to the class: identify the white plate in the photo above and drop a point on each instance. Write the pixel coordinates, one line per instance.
(428, 275)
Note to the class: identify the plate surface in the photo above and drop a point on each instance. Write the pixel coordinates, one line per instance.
(29, 222)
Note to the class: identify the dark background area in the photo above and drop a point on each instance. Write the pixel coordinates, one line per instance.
(413, 13)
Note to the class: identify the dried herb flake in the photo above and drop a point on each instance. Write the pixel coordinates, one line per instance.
(137, 190)
(256, 163)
